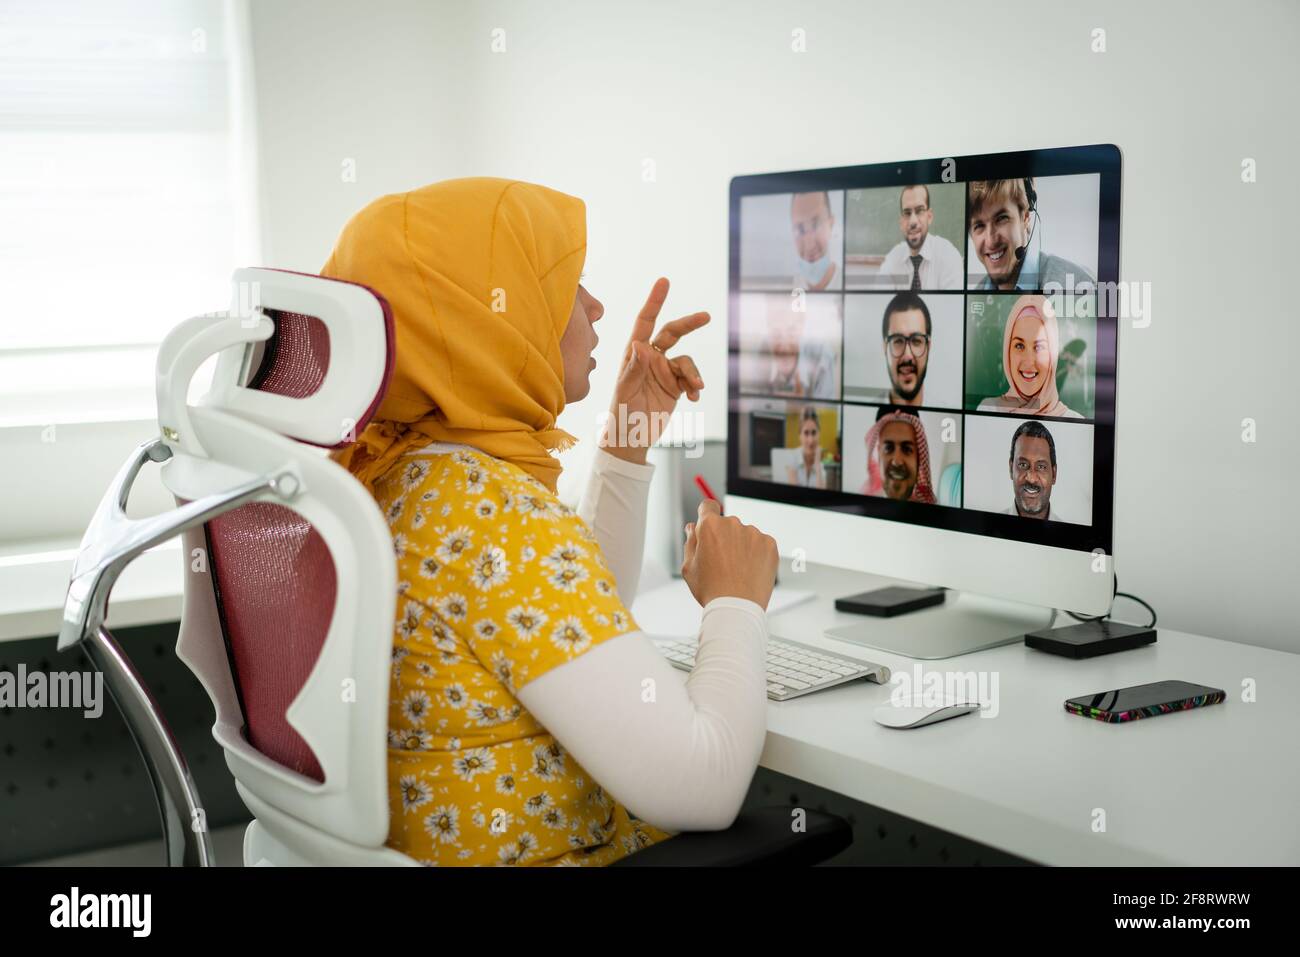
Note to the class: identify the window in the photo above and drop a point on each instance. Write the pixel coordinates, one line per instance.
(127, 193)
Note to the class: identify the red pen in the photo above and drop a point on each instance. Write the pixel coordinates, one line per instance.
(708, 492)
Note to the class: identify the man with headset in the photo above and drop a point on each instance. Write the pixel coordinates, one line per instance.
(1001, 219)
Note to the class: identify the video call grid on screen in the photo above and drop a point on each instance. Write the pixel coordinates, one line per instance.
(827, 412)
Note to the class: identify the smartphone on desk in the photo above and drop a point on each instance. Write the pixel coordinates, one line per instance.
(1144, 701)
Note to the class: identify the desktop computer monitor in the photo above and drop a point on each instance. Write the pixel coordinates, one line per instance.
(922, 379)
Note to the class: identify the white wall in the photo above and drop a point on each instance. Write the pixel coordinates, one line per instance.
(376, 84)
(586, 92)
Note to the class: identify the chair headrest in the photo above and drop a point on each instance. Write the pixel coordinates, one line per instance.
(306, 356)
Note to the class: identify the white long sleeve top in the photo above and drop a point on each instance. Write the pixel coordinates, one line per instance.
(679, 754)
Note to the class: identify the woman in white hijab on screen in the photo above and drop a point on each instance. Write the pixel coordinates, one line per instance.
(1031, 346)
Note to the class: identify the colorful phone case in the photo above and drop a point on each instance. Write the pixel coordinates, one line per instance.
(1134, 714)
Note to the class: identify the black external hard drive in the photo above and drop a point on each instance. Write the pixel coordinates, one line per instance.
(888, 602)
(1090, 638)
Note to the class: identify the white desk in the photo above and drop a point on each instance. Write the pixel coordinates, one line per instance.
(1212, 786)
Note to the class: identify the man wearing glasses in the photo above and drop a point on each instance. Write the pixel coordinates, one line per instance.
(1033, 472)
(906, 329)
(921, 260)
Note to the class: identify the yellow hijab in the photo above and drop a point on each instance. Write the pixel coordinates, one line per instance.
(481, 275)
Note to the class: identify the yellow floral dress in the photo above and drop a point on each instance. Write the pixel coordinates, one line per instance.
(498, 583)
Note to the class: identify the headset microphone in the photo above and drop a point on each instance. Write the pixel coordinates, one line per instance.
(1032, 196)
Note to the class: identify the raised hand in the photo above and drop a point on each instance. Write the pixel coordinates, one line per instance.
(649, 381)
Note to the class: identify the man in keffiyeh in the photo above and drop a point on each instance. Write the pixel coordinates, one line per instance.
(898, 458)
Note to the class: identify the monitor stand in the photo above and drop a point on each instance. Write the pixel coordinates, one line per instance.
(966, 622)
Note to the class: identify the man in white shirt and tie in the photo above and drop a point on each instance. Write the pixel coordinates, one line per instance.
(920, 261)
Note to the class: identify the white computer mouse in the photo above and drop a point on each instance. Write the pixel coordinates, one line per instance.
(910, 716)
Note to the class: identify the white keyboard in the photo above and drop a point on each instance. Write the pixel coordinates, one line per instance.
(792, 669)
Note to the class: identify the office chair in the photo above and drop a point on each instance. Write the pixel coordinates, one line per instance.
(290, 588)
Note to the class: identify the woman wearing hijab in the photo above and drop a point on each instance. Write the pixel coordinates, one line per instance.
(518, 725)
(1030, 350)
(893, 470)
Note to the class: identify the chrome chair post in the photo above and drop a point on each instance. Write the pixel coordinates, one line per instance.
(113, 541)
(185, 826)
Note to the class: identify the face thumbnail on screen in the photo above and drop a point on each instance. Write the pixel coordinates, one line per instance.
(934, 344)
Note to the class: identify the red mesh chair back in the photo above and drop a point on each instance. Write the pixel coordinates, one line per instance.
(273, 575)
(275, 588)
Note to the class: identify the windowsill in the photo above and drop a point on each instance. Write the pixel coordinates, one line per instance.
(74, 385)
(34, 582)
(76, 415)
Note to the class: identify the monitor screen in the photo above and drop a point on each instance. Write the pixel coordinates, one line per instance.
(931, 342)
